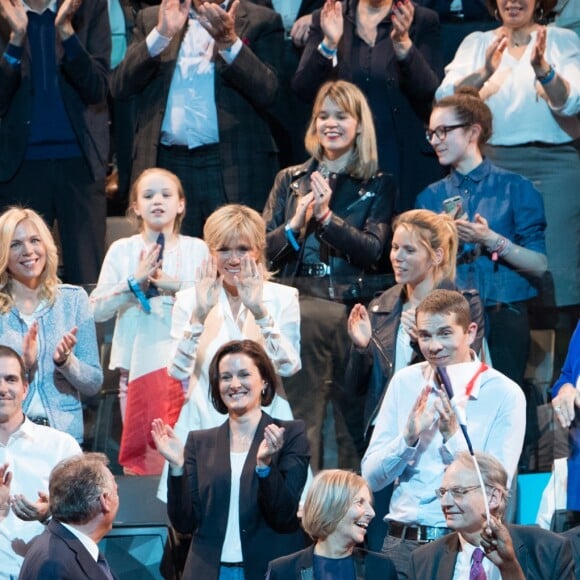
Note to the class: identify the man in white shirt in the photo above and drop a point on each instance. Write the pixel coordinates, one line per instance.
(83, 504)
(417, 434)
(487, 550)
(202, 76)
(28, 452)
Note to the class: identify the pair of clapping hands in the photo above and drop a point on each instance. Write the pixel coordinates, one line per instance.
(171, 447)
(61, 352)
(22, 507)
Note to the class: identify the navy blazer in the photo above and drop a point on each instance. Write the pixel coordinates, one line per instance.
(541, 555)
(198, 501)
(300, 566)
(57, 554)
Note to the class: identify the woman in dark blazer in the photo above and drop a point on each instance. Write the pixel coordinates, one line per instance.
(337, 511)
(236, 487)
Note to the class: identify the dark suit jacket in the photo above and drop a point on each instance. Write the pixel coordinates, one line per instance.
(541, 555)
(83, 85)
(198, 501)
(57, 554)
(243, 90)
(409, 88)
(299, 566)
(574, 536)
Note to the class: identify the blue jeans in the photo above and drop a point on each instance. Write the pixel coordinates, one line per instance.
(231, 573)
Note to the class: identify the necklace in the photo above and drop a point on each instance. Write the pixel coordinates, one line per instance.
(524, 42)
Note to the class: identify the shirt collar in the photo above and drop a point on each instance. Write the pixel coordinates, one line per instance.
(85, 540)
(476, 175)
(194, 14)
(51, 7)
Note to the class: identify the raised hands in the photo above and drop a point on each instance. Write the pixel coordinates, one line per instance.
(332, 23)
(172, 17)
(477, 231)
(31, 511)
(221, 24)
(537, 58)
(359, 326)
(322, 194)
(448, 424)
(13, 12)
(167, 443)
(207, 289)
(64, 347)
(272, 443)
(409, 323)
(64, 16)
(250, 285)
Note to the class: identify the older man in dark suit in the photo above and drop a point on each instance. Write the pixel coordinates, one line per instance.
(481, 549)
(83, 504)
(202, 78)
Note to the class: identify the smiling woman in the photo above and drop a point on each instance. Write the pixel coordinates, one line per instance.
(47, 322)
(243, 476)
(337, 512)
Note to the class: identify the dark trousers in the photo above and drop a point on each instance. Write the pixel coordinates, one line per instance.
(63, 189)
(324, 349)
(200, 172)
(508, 338)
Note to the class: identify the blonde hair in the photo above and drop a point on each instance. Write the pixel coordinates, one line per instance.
(434, 231)
(329, 497)
(49, 281)
(232, 222)
(350, 99)
(134, 195)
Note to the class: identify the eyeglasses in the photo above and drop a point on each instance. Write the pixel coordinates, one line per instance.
(456, 492)
(240, 252)
(441, 131)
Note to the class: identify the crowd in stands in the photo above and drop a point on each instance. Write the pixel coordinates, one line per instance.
(349, 216)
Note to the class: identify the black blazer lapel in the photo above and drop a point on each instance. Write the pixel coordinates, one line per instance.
(446, 566)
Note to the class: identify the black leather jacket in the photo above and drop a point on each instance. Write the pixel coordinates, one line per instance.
(351, 243)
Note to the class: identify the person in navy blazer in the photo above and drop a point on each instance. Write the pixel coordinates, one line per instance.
(258, 522)
(83, 503)
(517, 551)
(337, 512)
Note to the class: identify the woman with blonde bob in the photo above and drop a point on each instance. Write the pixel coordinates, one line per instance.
(231, 299)
(328, 222)
(48, 323)
(337, 511)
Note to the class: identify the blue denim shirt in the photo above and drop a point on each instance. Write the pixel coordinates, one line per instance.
(514, 209)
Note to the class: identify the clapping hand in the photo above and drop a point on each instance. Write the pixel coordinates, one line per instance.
(301, 30)
(332, 23)
(5, 480)
(172, 16)
(250, 285)
(565, 403)
(207, 289)
(420, 418)
(149, 263)
(220, 24)
(359, 326)
(167, 443)
(409, 323)
(448, 424)
(272, 443)
(64, 347)
(402, 15)
(30, 346)
(64, 16)
(13, 12)
(494, 52)
(303, 212)
(322, 194)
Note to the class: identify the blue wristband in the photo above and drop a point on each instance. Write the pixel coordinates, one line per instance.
(290, 237)
(262, 472)
(325, 51)
(11, 60)
(136, 289)
(548, 77)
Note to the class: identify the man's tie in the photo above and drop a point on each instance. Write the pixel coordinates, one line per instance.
(104, 566)
(477, 572)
